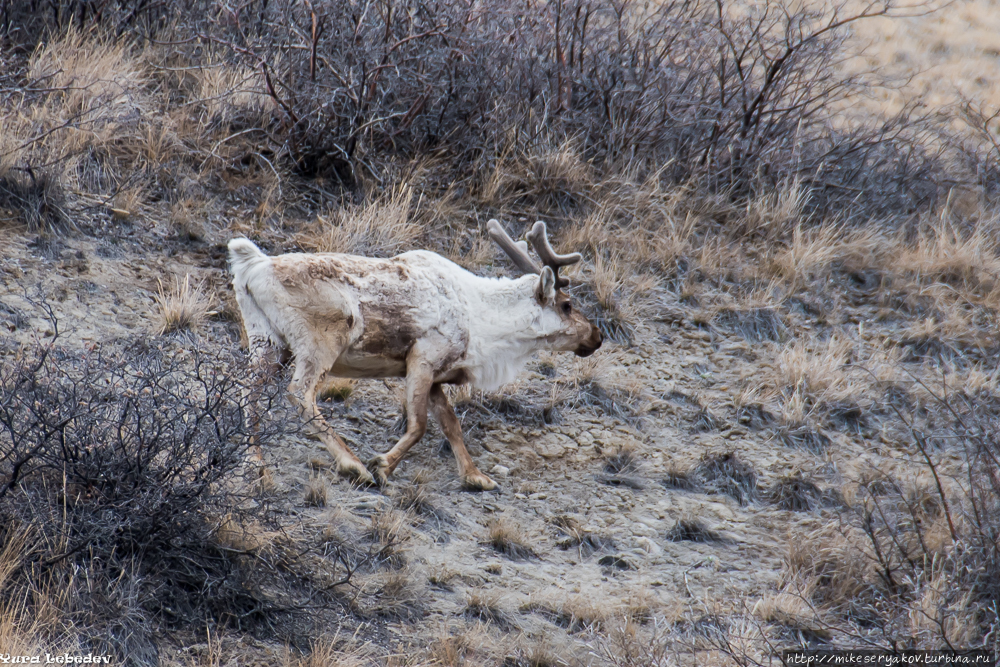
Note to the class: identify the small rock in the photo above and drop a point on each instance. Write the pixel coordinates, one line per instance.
(549, 448)
(616, 562)
(538, 496)
(649, 546)
(500, 471)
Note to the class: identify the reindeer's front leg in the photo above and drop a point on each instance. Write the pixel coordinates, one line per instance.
(472, 479)
(419, 378)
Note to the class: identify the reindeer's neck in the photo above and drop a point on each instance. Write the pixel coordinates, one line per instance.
(503, 330)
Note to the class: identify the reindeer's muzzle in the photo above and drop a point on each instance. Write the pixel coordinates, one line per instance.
(593, 342)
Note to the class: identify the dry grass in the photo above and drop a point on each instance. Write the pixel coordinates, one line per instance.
(388, 533)
(317, 491)
(336, 389)
(574, 613)
(382, 227)
(509, 539)
(182, 307)
(815, 374)
(485, 606)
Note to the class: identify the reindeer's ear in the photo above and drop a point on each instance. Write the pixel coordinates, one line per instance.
(545, 292)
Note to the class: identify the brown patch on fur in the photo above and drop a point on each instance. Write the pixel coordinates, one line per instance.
(389, 332)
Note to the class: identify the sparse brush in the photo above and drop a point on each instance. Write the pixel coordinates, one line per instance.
(509, 539)
(185, 306)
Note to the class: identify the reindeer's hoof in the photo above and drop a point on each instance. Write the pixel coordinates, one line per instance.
(379, 467)
(477, 481)
(356, 471)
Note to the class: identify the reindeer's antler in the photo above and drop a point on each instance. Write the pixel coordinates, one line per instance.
(539, 237)
(517, 251)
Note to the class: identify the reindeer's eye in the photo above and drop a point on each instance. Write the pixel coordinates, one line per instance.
(567, 308)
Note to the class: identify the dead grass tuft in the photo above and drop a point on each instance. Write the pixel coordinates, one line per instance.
(484, 606)
(794, 492)
(728, 474)
(509, 539)
(380, 228)
(183, 307)
(691, 529)
(337, 389)
(317, 491)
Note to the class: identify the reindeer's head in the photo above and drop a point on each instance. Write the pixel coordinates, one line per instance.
(572, 332)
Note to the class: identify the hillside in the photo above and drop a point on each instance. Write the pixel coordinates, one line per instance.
(787, 440)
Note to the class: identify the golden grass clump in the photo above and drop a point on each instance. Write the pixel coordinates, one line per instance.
(185, 306)
(317, 491)
(336, 389)
(816, 374)
(85, 71)
(381, 228)
(509, 539)
(942, 253)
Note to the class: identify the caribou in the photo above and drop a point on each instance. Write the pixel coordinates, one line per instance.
(417, 316)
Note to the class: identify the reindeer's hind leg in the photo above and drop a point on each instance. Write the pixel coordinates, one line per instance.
(472, 479)
(302, 390)
(419, 378)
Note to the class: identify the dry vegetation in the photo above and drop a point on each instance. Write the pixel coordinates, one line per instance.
(790, 441)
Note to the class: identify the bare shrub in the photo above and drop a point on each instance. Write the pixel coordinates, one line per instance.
(127, 464)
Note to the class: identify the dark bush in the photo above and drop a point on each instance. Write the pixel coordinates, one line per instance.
(126, 468)
(738, 99)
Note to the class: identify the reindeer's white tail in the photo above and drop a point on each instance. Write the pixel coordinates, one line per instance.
(253, 284)
(242, 254)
